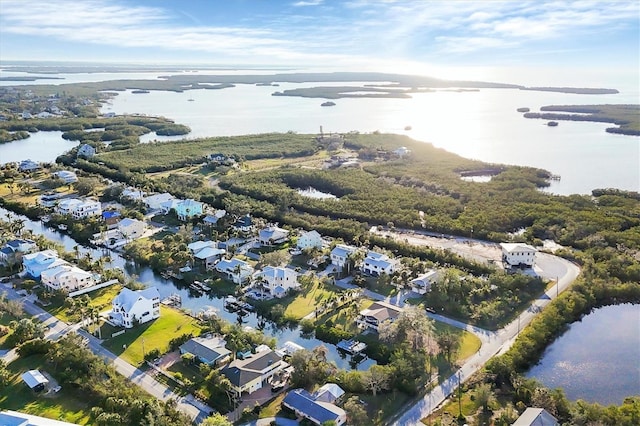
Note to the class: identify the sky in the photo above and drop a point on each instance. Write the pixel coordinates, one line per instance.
(449, 39)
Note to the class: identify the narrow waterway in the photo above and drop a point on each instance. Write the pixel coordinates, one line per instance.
(191, 301)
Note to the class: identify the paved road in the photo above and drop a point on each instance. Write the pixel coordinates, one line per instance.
(549, 266)
(57, 328)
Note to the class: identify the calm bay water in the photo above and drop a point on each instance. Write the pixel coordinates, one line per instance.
(597, 359)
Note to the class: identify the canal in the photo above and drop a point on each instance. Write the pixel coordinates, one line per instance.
(191, 301)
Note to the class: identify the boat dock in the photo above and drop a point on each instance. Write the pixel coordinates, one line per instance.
(174, 300)
(352, 347)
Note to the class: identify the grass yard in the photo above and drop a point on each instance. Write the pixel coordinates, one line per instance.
(5, 319)
(469, 343)
(345, 317)
(100, 299)
(305, 302)
(274, 408)
(66, 405)
(153, 335)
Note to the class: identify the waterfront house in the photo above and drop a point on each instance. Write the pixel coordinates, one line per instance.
(49, 199)
(131, 229)
(35, 263)
(252, 373)
(79, 209)
(86, 151)
(536, 417)
(518, 254)
(275, 281)
(28, 166)
(209, 255)
(422, 284)
(67, 176)
(272, 235)
(155, 201)
(314, 408)
(66, 277)
(376, 314)
(235, 270)
(208, 350)
(340, 255)
(375, 264)
(130, 307)
(310, 240)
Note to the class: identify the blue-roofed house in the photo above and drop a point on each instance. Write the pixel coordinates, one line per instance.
(35, 263)
(235, 270)
(86, 151)
(111, 218)
(187, 209)
(377, 263)
(9, 251)
(308, 406)
(210, 351)
(130, 307)
(28, 166)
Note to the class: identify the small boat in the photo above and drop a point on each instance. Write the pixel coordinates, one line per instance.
(327, 104)
(552, 123)
(407, 128)
(62, 227)
(190, 100)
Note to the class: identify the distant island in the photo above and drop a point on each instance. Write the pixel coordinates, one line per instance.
(576, 90)
(626, 117)
(29, 78)
(328, 104)
(138, 91)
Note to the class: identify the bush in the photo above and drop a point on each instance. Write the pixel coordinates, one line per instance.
(34, 346)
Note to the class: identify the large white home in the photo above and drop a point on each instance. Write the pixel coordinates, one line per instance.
(272, 235)
(275, 281)
(131, 228)
(422, 284)
(340, 254)
(250, 374)
(67, 176)
(377, 263)
(207, 252)
(67, 277)
(235, 270)
(79, 209)
(35, 263)
(310, 240)
(155, 201)
(132, 193)
(376, 314)
(130, 307)
(518, 254)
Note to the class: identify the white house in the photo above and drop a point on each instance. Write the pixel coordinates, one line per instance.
(275, 281)
(50, 199)
(378, 263)
(66, 277)
(131, 228)
(35, 263)
(402, 151)
(207, 251)
(28, 166)
(309, 240)
(340, 254)
(422, 284)
(79, 209)
(130, 307)
(132, 193)
(250, 374)
(67, 176)
(86, 151)
(212, 219)
(272, 235)
(235, 270)
(518, 254)
(155, 201)
(376, 314)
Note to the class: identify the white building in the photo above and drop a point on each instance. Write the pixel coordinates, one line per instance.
(86, 151)
(378, 263)
(35, 263)
(131, 228)
(67, 176)
(402, 151)
(340, 254)
(155, 201)
(275, 281)
(132, 193)
(79, 209)
(67, 277)
(272, 235)
(235, 270)
(376, 314)
(207, 252)
(310, 240)
(130, 307)
(422, 284)
(28, 166)
(15, 418)
(518, 254)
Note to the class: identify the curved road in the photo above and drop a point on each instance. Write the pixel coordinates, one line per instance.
(547, 266)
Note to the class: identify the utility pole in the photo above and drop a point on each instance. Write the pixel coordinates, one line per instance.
(459, 396)
(557, 286)
(143, 354)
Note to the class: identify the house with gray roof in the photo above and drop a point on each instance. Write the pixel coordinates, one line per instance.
(272, 235)
(130, 307)
(208, 350)
(378, 263)
(536, 417)
(252, 373)
(376, 314)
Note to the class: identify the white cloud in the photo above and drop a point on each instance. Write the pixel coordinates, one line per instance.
(307, 3)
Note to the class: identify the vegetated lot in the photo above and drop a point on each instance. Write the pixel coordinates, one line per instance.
(69, 404)
(153, 335)
(72, 309)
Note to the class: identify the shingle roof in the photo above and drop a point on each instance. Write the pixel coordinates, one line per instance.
(127, 298)
(303, 402)
(242, 371)
(208, 350)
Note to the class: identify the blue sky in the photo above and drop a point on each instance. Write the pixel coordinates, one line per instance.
(428, 37)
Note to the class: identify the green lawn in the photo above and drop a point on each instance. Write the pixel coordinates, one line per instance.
(100, 299)
(274, 408)
(469, 343)
(5, 319)
(66, 405)
(153, 335)
(305, 302)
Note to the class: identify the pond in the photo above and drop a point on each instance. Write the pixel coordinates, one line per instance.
(39, 146)
(191, 301)
(597, 358)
